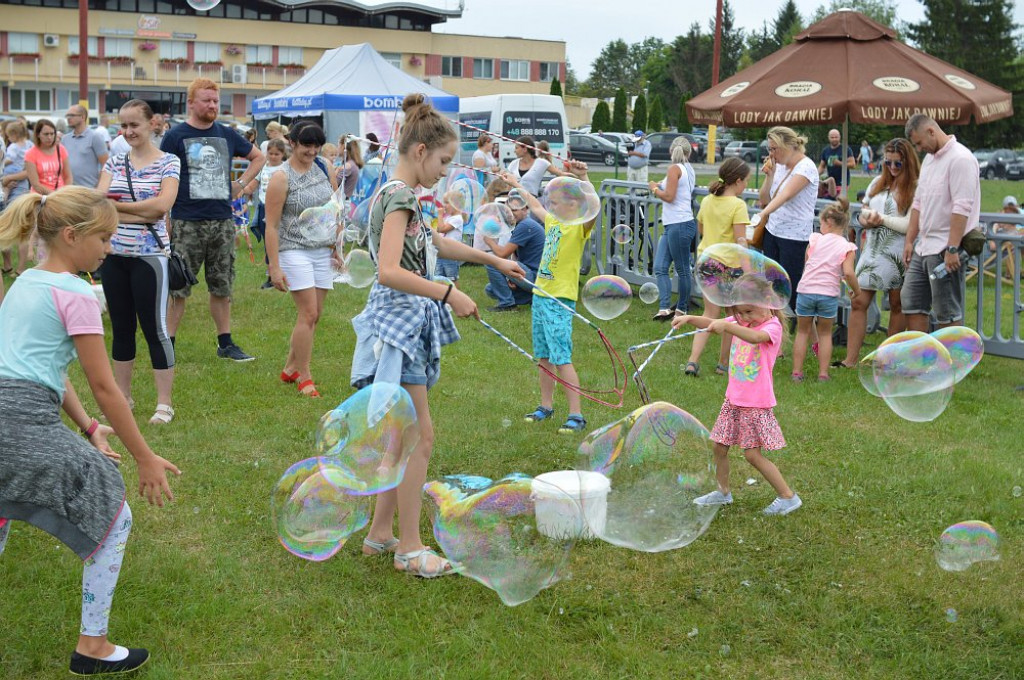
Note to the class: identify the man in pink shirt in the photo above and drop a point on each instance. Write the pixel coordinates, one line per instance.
(946, 205)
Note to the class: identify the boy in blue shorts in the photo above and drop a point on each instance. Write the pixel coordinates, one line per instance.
(558, 276)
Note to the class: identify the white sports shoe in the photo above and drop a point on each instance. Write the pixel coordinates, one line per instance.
(783, 506)
(716, 497)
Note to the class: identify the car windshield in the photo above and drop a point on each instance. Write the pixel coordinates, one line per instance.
(983, 155)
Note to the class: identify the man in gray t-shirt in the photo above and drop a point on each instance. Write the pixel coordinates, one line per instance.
(87, 150)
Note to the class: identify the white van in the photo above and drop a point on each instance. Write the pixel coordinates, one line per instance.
(541, 116)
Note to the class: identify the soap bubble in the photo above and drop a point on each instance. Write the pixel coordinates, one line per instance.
(359, 217)
(649, 293)
(965, 348)
(371, 435)
(951, 615)
(465, 194)
(314, 510)
(491, 535)
(203, 5)
(729, 274)
(361, 269)
(606, 296)
(1017, 492)
(658, 461)
(319, 224)
(866, 367)
(493, 219)
(571, 200)
(965, 543)
(622, 234)
(914, 375)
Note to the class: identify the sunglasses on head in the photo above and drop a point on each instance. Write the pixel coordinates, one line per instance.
(894, 164)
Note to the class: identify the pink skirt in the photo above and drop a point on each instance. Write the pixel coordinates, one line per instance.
(748, 428)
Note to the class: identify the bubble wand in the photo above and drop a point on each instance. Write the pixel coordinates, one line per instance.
(645, 394)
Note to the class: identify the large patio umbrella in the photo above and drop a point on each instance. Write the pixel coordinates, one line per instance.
(847, 68)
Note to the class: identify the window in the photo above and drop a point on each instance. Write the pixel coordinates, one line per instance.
(515, 69)
(289, 55)
(451, 66)
(259, 54)
(115, 47)
(23, 99)
(66, 98)
(393, 58)
(483, 68)
(173, 49)
(206, 52)
(74, 49)
(22, 43)
(548, 71)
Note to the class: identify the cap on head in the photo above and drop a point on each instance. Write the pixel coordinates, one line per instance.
(1010, 200)
(638, 133)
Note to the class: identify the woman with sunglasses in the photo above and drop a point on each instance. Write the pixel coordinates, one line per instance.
(881, 267)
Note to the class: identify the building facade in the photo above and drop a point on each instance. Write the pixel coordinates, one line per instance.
(152, 49)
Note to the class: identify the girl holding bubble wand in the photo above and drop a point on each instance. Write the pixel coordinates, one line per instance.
(747, 418)
(53, 479)
(406, 320)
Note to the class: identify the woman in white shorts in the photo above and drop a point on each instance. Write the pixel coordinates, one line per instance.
(300, 249)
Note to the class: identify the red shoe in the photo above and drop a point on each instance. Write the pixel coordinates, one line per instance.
(311, 393)
(289, 377)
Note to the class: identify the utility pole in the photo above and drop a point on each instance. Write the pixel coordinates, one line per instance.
(83, 56)
(715, 62)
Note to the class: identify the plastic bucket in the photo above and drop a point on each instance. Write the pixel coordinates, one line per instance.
(571, 503)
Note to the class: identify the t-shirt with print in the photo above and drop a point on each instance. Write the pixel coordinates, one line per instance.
(265, 174)
(48, 310)
(528, 236)
(824, 267)
(398, 196)
(833, 159)
(559, 271)
(205, 156)
(49, 167)
(16, 155)
(133, 238)
(750, 367)
(717, 216)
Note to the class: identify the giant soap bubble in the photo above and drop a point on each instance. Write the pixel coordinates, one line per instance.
(965, 543)
(360, 267)
(490, 533)
(729, 274)
(493, 220)
(606, 296)
(203, 5)
(572, 200)
(965, 348)
(465, 195)
(371, 435)
(658, 461)
(649, 293)
(314, 508)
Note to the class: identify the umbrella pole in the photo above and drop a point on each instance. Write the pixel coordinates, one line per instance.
(842, 154)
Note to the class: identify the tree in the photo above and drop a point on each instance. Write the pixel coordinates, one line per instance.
(611, 70)
(732, 43)
(639, 113)
(882, 11)
(556, 86)
(980, 37)
(787, 24)
(602, 120)
(619, 112)
(655, 117)
(683, 124)
(572, 83)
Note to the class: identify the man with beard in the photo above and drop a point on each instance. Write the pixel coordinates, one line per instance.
(832, 160)
(202, 227)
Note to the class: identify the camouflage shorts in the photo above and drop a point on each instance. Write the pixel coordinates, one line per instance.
(209, 244)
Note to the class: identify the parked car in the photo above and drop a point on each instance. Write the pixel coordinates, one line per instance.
(661, 142)
(748, 151)
(720, 144)
(1015, 169)
(992, 164)
(592, 148)
(619, 138)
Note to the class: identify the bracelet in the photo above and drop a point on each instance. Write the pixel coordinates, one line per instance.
(447, 293)
(88, 432)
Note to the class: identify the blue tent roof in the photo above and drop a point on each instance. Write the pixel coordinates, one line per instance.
(350, 78)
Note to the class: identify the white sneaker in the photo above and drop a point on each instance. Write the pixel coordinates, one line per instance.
(783, 506)
(716, 497)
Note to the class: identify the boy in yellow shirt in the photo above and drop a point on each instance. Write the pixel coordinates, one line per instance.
(558, 276)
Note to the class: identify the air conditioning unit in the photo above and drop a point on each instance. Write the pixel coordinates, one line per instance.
(239, 72)
(51, 40)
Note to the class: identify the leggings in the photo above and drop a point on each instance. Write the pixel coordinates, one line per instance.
(791, 255)
(136, 290)
(99, 575)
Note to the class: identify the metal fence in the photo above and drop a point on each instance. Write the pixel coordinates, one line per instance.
(993, 278)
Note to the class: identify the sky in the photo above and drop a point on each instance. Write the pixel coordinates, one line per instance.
(587, 26)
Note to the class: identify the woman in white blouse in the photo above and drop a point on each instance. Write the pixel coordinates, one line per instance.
(528, 167)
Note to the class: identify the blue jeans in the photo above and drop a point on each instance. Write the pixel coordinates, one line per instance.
(499, 290)
(674, 248)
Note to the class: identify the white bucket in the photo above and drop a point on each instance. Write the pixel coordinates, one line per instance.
(560, 498)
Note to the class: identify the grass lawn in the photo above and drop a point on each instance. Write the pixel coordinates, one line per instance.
(845, 588)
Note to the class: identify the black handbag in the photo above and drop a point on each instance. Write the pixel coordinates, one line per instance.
(179, 274)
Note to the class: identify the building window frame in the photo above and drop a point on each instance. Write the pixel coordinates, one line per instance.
(549, 70)
(483, 69)
(393, 58)
(174, 49)
(206, 52)
(22, 43)
(21, 97)
(259, 54)
(74, 48)
(287, 54)
(115, 47)
(515, 69)
(451, 67)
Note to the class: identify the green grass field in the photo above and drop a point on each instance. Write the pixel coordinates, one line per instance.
(845, 588)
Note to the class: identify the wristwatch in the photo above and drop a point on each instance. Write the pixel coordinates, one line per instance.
(240, 183)
(952, 250)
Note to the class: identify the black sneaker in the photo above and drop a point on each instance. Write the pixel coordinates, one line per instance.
(233, 352)
(86, 665)
(267, 285)
(502, 308)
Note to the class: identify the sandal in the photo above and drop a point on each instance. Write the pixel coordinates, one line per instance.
(838, 363)
(372, 548)
(575, 423)
(164, 414)
(416, 563)
(721, 369)
(824, 378)
(312, 393)
(6, 271)
(797, 377)
(664, 315)
(542, 413)
(692, 368)
(289, 377)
